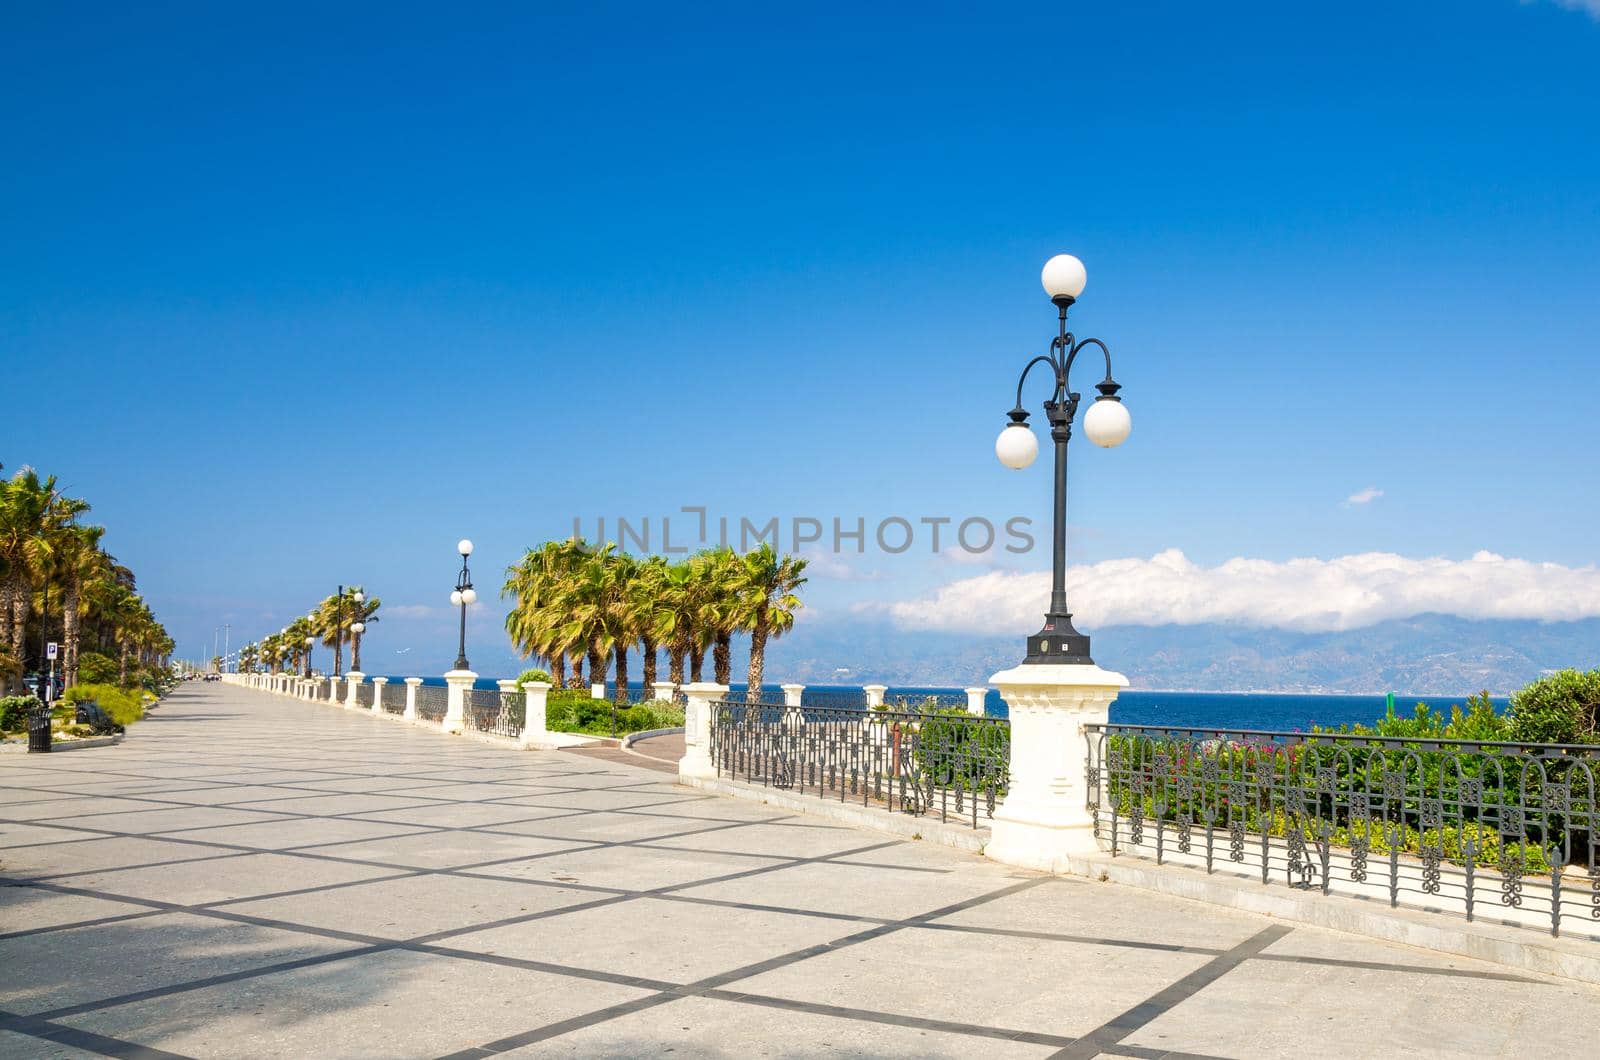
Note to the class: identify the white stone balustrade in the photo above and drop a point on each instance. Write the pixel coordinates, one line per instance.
(412, 684)
(377, 694)
(696, 761)
(534, 732)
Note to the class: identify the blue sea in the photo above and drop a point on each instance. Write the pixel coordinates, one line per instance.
(1284, 711)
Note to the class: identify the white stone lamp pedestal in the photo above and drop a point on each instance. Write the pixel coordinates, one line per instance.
(1044, 821)
(455, 710)
(696, 761)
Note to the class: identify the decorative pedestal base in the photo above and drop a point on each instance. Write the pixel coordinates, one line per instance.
(1044, 820)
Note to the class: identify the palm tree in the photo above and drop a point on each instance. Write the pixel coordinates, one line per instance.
(645, 599)
(720, 614)
(328, 622)
(85, 568)
(767, 602)
(542, 583)
(32, 510)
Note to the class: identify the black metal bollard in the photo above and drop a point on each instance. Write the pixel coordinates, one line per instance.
(39, 730)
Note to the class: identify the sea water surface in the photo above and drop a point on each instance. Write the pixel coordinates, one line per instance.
(1280, 711)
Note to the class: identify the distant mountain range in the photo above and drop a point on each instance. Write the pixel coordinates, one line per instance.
(1438, 654)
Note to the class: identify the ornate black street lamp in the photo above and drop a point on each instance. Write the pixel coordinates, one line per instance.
(1106, 423)
(463, 595)
(309, 642)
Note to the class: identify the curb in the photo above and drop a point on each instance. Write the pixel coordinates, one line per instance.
(634, 737)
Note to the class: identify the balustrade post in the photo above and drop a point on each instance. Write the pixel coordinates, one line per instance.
(533, 719)
(352, 682)
(412, 684)
(663, 691)
(333, 690)
(455, 711)
(597, 690)
(874, 694)
(1044, 820)
(377, 694)
(975, 700)
(792, 694)
(697, 761)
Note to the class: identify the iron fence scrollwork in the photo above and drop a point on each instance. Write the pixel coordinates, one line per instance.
(953, 764)
(1428, 821)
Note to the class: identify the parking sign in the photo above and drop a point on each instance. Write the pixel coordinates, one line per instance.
(50, 650)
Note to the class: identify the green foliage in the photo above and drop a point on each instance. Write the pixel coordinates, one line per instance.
(532, 674)
(96, 669)
(14, 712)
(1559, 708)
(574, 710)
(123, 707)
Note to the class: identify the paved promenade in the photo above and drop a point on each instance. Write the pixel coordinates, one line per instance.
(248, 876)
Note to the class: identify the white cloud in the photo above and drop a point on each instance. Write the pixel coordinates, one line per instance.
(838, 567)
(406, 611)
(1366, 496)
(1347, 592)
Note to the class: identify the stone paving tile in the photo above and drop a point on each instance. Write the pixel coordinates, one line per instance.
(393, 1004)
(858, 889)
(462, 814)
(1090, 909)
(130, 818)
(631, 867)
(672, 941)
(415, 905)
(25, 908)
(1258, 1007)
(222, 879)
(41, 811)
(447, 850)
(279, 833)
(794, 840)
(75, 965)
(725, 1031)
(26, 1047)
(917, 973)
(96, 853)
(26, 835)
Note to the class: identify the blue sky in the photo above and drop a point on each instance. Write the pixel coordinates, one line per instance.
(321, 289)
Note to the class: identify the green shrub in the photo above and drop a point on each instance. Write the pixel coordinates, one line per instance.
(96, 669)
(1560, 708)
(14, 712)
(123, 707)
(532, 674)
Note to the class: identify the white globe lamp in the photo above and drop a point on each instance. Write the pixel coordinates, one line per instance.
(1107, 423)
(1016, 447)
(469, 596)
(1063, 276)
(464, 547)
(455, 597)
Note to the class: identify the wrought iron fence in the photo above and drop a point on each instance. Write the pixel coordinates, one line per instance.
(1425, 821)
(491, 711)
(394, 697)
(834, 699)
(364, 695)
(925, 702)
(433, 702)
(953, 764)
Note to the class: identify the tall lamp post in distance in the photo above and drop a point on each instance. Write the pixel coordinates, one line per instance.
(309, 642)
(1106, 424)
(463, 595)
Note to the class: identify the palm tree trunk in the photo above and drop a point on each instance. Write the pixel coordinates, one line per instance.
(576, 680)
(722, 656)
(19, 617)
(71, 632)
(338, 656)
(122, 668)
(558, 670)
(5, 631)
(675, 654)
(355, 652)
(597, 664)
(648, 646)
(758, 651)
(697, 663)
(620, 696)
